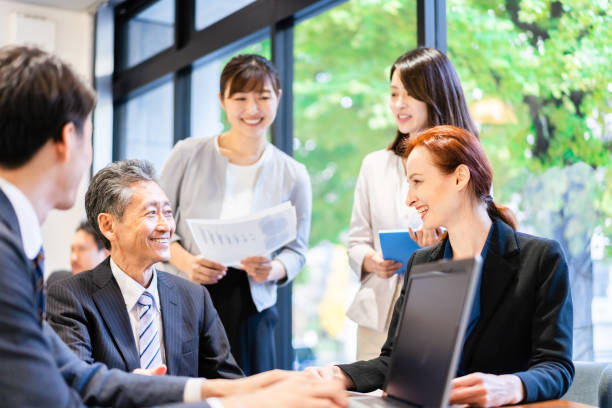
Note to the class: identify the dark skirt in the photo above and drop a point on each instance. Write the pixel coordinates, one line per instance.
(250, 333)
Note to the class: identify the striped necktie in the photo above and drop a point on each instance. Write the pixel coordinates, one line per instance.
(39, 268)
(148, 334)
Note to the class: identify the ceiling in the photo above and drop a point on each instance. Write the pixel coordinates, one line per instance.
(74, 5)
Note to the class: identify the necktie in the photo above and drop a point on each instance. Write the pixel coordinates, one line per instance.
(148, 334)
(39, 268)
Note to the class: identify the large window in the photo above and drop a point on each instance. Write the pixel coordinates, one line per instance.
(340, 92)
(149, 32)
(146, 120)
(538, 79)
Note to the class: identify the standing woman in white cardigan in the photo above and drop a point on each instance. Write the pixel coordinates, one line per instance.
(425, 92)
(231, 175)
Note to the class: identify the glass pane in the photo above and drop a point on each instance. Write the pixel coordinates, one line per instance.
(541, 95)
(149, 32)
(209, 12)
(148, 123)
(207, 118)
(341, 114)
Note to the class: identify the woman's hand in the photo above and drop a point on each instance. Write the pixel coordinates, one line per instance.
(197, 268)
(204, 271)
(426, 237)
(262, 269)
(329, 373)
(487, 390)
(373, 262)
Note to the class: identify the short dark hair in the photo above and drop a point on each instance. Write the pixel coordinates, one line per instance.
(246, 73)
(39, 95)
(429, 76)
(109, 190)
(85, 226)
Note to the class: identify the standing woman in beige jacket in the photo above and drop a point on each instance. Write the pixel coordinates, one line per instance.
(425, 92)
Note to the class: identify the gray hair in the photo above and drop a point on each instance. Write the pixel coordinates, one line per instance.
(109, 190)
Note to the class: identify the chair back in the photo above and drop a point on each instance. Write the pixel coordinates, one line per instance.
(592, 384)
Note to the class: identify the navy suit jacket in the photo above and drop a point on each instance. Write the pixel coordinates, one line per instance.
(88, 312)
(526, 317)
(36, 368)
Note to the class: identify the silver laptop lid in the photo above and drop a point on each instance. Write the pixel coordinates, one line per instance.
(429, 339)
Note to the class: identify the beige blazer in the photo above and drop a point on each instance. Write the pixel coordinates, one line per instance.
(379, 203)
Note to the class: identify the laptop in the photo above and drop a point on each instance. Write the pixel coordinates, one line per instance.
(430, 336)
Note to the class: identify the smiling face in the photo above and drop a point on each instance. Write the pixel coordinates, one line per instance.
(435, 195)
(142, 235)
(251, 113)
(410, 114)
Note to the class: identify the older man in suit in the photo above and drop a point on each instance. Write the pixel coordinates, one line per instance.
(100, 314)
(45, 148)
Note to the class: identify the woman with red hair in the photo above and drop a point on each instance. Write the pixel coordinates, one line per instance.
(518, 344)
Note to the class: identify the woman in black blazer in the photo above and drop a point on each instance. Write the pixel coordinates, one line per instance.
(518, 344)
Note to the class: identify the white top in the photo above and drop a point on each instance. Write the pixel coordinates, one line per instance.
(131, 291)
(31, 237)
(240, 186)
(379, 203)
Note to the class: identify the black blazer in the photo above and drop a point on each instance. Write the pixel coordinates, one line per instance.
(88, 312)
(525, 324)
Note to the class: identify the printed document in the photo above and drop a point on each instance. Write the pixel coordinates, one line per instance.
(229, 241)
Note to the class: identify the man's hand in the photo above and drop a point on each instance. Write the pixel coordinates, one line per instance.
(331, 373)
(297, 391)
(373, 262)
(263, 269)
(159, 370)
(204, 271)
(426, 237)
(225, 388)
(487, 390)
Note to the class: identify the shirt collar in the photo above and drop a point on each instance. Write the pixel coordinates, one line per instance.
(31, 237)
(131, 290)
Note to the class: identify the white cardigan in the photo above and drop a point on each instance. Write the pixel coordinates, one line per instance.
(379, 203)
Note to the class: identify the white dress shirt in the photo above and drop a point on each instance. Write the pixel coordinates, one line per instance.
(131, 291)
(31, 237)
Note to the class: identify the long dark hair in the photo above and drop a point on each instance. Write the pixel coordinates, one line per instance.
(450, 147)
(429, 76)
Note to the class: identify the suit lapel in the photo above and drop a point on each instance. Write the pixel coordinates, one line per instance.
(171, 321)
(499, 271)
(110, 303)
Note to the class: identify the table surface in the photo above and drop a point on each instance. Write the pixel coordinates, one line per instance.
(554, 404)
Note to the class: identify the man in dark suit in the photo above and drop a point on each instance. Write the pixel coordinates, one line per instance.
(96, 312)
(45, 148)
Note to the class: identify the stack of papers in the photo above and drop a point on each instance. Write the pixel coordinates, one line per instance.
(229, 241)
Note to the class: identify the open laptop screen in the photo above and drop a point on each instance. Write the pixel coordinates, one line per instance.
(430, 337)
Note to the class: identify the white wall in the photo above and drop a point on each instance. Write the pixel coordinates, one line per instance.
(74, 44)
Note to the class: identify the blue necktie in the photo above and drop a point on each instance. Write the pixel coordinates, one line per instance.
(148, 334)
(39, 268)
